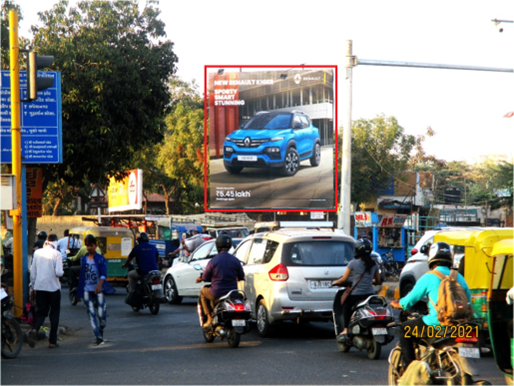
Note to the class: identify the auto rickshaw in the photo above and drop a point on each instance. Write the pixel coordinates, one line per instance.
(472, 252)
(115, 244)
(500, 313)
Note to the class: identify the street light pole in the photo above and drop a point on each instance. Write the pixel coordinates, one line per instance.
(343, 218)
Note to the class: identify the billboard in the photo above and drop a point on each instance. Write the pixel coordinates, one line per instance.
(271, 138)
(126, 194)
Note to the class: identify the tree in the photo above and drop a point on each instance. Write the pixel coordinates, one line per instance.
(9, 5)
(380, 149)
(114, 67)
(181, 156)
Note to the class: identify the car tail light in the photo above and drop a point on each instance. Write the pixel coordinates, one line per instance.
(279, 273)
(413, 251)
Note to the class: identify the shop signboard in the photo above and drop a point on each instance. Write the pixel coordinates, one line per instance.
(362, 219)
(392, 221)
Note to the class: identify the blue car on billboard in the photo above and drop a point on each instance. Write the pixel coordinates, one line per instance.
(276, 139)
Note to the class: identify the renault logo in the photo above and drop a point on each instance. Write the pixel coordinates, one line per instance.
(247, 141)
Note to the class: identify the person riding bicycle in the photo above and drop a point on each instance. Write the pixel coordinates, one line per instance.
(223, 271)
(147, 258)
(440, 258)
(365, 268)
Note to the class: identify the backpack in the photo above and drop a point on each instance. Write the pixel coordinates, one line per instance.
(452, 306)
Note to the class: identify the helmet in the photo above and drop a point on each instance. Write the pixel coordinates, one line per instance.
(143, 238)
(90, 239)
(223, 242)
(363, 247)
(376, 256)
(440, 253)
(42, 235)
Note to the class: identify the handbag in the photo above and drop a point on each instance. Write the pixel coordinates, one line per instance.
(349, 290)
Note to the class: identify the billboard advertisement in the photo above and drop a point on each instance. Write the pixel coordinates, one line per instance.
(271, 138)
(126, 194)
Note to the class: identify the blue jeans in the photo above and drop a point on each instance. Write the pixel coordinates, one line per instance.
(96, 309)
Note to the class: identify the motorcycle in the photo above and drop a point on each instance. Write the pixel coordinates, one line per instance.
(72, 272)
(444, 357)
(147, 293)
(367, 329)
(12, 335)
(389, 267)
(230, 317)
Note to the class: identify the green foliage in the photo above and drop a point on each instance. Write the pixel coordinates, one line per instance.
(380, 148)
(9, 5)
(115, 65)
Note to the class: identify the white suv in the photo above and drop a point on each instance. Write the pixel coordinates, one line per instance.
(289, 272)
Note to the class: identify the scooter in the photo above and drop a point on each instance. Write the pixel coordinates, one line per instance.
(367, 329)
(148, 292)
(12, 335)
(443, 357)
(230, 317)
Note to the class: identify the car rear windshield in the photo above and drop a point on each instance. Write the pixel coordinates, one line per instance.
(317, 253)
(269, 121)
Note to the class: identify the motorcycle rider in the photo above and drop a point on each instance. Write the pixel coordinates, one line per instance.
(364, 265)
(440, 257)
(41, 238)
(223, 271)
(147, 258)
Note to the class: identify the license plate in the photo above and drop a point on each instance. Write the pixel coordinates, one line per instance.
(467, 352)
(238, 322)
(156, 286)
(247, 158)
(315, 284)
(379, 331)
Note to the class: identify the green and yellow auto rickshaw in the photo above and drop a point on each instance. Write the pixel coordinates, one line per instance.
(500, 313)
(115, 244)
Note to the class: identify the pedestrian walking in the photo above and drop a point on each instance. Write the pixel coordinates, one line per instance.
(92, 287)
(45, 287)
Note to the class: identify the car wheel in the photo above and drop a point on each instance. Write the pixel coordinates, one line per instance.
(406, 289)
(316, 155)
(170, 291)
(291, 162)
(233, 169)
(264, 328)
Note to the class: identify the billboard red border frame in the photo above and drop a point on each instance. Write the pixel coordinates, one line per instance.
(206, 151)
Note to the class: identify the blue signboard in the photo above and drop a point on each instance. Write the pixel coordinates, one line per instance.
(41, 121)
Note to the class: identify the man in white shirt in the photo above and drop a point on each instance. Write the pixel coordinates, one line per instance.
(46, 270)
(64, 244)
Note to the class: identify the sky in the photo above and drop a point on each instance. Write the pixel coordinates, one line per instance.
(466, 109)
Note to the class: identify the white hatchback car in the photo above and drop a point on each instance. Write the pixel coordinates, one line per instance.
(180, 279)
(289, 273)
(416, 266)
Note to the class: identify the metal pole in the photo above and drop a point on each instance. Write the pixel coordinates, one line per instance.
(343, 219)
(386, 63)
(16, 161)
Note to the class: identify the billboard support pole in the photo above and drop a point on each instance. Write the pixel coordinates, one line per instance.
(343, 218)
(16, 161)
